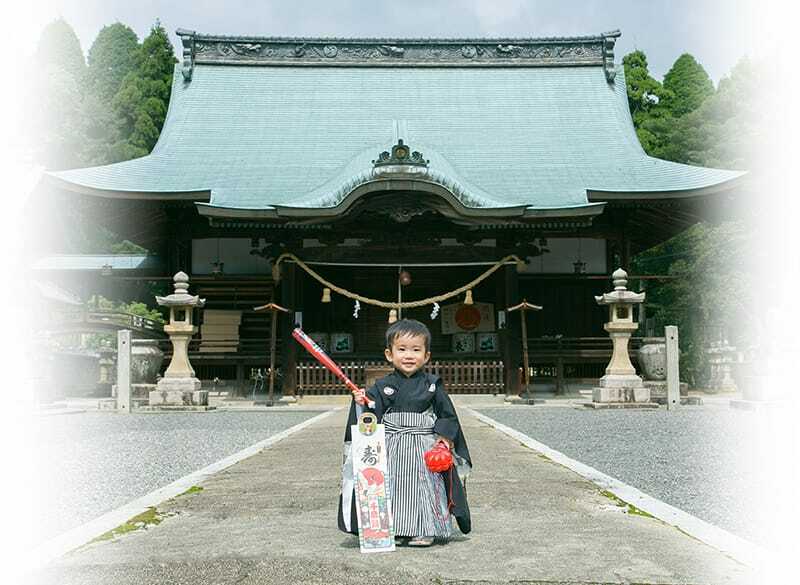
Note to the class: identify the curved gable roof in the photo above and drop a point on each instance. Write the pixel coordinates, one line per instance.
(282, 136)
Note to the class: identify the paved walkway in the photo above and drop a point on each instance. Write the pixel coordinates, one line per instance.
(272, 519)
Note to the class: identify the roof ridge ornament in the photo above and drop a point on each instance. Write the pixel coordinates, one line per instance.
(609, 40)
(401, 155)
(187, 40)
(407, 52)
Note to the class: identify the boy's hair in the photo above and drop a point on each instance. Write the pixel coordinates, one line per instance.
(410, 327)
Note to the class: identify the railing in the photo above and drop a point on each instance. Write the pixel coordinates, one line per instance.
(462, 377)
(470, 377)
(562, 358)
(316, 379)
(118, 319)
(85, 321)
(579, 347)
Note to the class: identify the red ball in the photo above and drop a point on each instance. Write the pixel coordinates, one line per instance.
(438, 459)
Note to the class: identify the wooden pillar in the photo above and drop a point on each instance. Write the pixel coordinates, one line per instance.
(512, 352)
(560, 390)
(241, 385)
(288, 284)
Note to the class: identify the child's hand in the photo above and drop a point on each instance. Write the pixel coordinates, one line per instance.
(360, 396)
(445, 440)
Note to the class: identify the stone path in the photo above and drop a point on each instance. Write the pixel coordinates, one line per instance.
(272, 519)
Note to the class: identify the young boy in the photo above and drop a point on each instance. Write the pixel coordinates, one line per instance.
(417, 414)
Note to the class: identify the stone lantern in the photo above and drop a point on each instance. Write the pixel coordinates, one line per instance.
(621, 386)
(179, 386)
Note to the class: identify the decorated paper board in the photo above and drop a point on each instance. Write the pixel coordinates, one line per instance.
(375, 522)
(461, 318)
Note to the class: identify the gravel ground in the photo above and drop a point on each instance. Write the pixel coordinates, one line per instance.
(701, 459)
(90, 463)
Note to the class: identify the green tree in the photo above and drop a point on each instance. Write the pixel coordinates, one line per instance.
(724, 131)
(688, 85)
(708, 292)
(60, 48)
(141, 103)
(111, 57)
(646, 97)
(59, 114)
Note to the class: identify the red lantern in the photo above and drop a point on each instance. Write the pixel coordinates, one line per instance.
(439, 458)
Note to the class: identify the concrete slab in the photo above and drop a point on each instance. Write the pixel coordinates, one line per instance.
(272, 519)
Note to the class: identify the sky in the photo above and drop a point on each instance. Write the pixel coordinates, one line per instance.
(717, 32)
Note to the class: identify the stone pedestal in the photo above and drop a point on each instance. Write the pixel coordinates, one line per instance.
(622, 390)
(178, 392)
(658, 392)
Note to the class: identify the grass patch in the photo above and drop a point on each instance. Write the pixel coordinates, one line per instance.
(192, 490)
(149, 517)
(630, 508)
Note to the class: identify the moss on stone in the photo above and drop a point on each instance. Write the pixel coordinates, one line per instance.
(149, 517)
(629, 508)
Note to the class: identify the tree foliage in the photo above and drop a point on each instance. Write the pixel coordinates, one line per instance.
(687, 84)
(109, 111)
(646, 99)
(60, 48)
(111, 57)
(139, 308)
(707, 294)
(710, 285)
(142, 100)
(58, 108)
(723, 131)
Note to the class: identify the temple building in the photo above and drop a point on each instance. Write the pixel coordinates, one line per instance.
(398, 170)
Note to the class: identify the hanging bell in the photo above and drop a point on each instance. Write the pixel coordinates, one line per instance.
(326, 295)
(392, 315)
(468, 298)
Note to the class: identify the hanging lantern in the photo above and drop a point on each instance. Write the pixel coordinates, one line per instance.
(405, 277)
(468, 298)
(392, 316)
(326, 295)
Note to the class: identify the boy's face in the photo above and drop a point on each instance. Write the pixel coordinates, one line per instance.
(408, 353)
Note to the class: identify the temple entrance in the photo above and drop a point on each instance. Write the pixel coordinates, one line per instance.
(466, 338)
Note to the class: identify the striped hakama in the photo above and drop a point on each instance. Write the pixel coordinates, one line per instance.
(419, 498)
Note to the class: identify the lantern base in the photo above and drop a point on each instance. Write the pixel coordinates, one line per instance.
(178, 392)
(633, 395)
(621, 381)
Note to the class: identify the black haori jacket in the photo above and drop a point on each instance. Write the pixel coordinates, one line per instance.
(418, 393)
